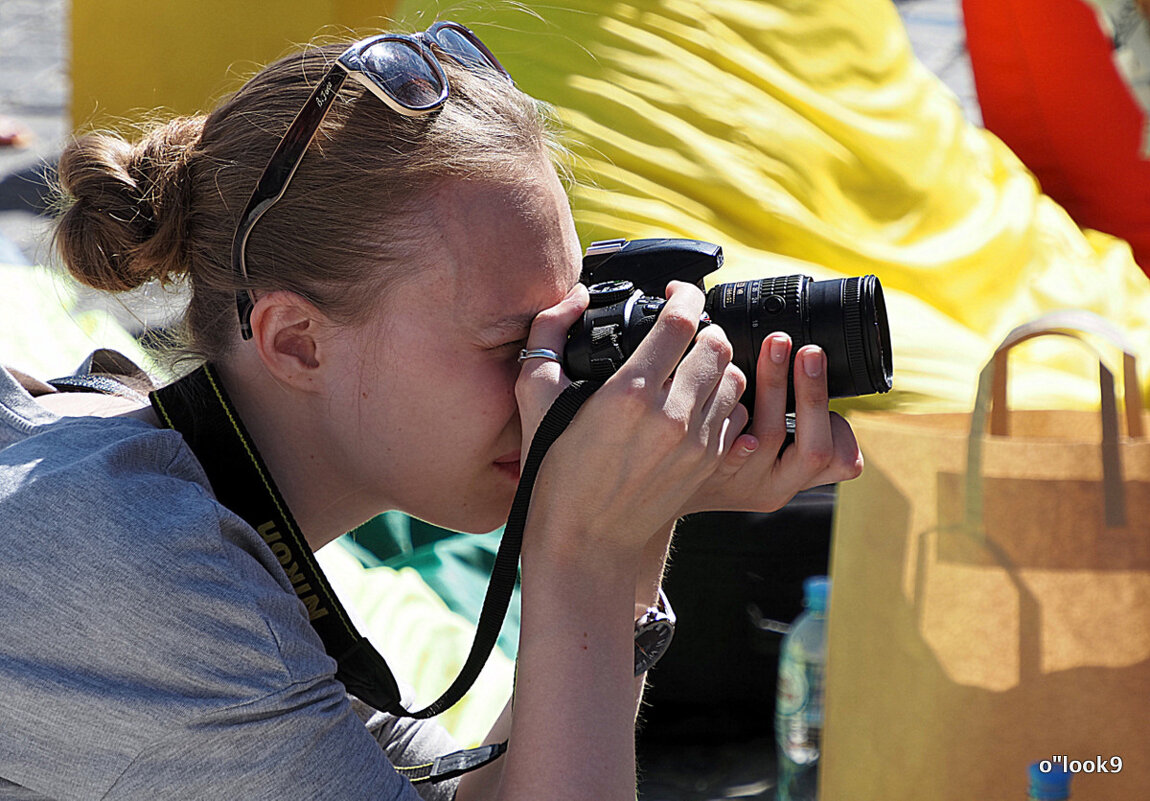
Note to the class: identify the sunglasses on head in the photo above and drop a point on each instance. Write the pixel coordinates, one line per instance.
(401, 70)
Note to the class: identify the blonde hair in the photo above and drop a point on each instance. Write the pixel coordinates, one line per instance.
(167, 205)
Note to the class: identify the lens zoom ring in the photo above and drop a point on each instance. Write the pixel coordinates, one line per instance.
(790, 319)
(853, 331)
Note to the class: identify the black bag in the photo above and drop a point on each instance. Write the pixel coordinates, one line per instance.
(734, 577)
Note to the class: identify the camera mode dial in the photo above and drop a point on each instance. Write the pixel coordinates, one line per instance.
(607, 292)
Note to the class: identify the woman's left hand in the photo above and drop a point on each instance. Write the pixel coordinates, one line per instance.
(754, 476)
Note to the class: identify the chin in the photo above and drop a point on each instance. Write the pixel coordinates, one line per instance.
(481, 524)
(477, 519)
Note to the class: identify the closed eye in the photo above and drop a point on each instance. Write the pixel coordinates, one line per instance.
(514, 346)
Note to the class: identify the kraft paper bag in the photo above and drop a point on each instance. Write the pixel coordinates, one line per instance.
(991, 603)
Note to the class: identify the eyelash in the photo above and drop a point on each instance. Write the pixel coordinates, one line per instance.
(514, 345)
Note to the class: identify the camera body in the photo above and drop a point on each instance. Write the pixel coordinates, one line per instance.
(846, 317)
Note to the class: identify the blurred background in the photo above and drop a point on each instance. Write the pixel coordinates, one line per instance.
(142, 60)
(908, 139)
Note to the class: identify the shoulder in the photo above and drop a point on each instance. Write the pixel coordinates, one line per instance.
(82, 468)
(54, 467)
(147, 627)
(124, 575)
(117, 511)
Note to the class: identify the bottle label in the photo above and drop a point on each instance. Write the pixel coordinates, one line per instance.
(793, 690)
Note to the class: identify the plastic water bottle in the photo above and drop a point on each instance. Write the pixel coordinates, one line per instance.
(1053, 785)
(799, 705)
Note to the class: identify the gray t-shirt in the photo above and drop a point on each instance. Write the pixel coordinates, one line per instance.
(151, 645)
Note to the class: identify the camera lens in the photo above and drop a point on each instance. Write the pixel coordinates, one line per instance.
(846, 317)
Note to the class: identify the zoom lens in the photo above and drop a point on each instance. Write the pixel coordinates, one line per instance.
(846, 317)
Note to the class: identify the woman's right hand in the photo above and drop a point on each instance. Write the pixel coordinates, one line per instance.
(655, 431)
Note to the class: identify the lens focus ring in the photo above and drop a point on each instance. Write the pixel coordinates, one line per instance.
(853, 333)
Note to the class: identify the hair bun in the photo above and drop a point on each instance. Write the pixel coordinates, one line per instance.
(126, 206)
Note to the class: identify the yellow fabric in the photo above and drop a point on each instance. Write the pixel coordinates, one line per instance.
(803, 135)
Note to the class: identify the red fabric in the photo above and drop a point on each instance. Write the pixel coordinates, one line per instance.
(1049, 89)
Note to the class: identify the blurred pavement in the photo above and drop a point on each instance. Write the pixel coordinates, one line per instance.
(34, 90)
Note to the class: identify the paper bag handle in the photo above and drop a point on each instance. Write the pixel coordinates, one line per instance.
(1067, 323)
(992, 382)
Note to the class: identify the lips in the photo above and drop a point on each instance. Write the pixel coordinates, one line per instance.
(509, 464)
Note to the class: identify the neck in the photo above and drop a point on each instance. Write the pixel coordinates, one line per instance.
(325, 497)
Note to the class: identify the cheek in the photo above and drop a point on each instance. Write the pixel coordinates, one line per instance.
(478, 398)
(495, 389)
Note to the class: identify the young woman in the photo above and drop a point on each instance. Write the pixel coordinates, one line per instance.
(383, 302)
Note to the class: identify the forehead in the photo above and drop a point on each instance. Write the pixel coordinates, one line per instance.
(508, 249)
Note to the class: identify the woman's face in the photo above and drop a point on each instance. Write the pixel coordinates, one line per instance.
(432, 401)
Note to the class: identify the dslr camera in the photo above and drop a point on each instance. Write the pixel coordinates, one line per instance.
(846, 317)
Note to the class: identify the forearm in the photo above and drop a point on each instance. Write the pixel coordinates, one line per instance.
(572, 734)
(649, 577)
(587, 709)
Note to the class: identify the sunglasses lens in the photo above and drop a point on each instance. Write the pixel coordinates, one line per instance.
(461, 48)
(402, 71)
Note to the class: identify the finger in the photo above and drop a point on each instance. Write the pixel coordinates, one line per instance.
(550, 326)
(698, 389)
(549, 330)
(723, 405)
(847, 450)
(814, 443)
(657, 356)
(771, 371)
(847, 461)
(737, 446)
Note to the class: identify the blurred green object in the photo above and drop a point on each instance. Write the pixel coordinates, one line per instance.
(457, 566)
(46, 334)
(424, 642)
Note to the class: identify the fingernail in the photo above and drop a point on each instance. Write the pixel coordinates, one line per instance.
(780, 346)
(813, 362)
(750, 444)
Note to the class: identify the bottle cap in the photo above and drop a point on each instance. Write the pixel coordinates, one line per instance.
(1053, 785)
(816, 590)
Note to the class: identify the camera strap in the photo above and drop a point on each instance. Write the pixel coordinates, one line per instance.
(198, 407)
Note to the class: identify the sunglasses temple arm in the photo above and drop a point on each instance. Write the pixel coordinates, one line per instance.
(278, 174)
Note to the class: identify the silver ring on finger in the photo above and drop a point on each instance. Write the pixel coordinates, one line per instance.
(539, 353)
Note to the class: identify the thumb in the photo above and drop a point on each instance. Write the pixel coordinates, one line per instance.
(541, 379)
(549, 331)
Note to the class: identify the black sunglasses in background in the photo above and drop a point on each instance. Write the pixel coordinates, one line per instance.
(401, 70)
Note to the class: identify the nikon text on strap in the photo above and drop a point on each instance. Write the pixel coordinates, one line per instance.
(198, 407)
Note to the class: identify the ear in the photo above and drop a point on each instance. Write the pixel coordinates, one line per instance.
(289, 333)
